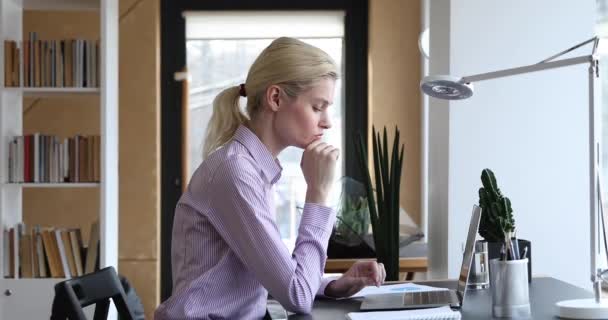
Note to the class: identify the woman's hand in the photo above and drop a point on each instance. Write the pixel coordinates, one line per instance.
(318, 165)
(360, 275)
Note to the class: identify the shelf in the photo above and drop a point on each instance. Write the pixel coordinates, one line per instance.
(46, 91)
(22, 280)
(55, 185)
(61, 4)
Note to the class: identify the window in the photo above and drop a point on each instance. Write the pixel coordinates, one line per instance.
(354, 88)
(220, 48)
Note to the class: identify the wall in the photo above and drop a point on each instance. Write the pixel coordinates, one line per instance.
(394, 74)
(139, 130)
(531, 130)
(139, 117)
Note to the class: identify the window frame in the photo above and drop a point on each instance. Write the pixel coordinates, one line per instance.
(173, 59)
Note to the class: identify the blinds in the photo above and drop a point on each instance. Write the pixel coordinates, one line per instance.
(208, 25)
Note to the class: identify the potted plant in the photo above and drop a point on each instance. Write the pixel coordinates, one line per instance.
(353, 217)
(497, 225)
(350, 236)
(384, 204)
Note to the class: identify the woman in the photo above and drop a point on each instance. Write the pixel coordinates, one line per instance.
(227, 253)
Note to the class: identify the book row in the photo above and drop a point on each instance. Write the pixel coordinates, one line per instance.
(39, 158)
(51, 63)
(46, 252)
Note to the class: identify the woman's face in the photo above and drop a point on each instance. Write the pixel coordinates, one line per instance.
(303, 119)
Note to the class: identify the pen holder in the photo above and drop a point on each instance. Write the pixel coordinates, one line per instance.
(494, 252)
(509, 286)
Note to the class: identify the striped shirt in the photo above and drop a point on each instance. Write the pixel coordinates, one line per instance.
(227, 253)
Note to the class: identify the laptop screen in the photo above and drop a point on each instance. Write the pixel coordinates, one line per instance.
(468, 251)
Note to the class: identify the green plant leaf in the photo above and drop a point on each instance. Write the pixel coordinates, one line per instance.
(361, 150)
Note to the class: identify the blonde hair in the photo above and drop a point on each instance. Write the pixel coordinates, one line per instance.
(291, 64)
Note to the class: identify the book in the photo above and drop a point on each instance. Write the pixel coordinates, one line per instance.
(440, 313)
(11, 252)
(52, 254)
(76, 242)
(41, 260)
(91, 264)
(11, 63)
(67, 245)
(6, 255)
(25, 256)
(17, 234)
(63, 258)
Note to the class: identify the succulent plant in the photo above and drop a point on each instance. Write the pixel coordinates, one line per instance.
(497, 214)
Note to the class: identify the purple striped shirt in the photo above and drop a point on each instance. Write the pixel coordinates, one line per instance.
(227, 253)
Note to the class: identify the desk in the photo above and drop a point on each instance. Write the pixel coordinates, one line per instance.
(544, 292)
(407, 265)
(413, 258)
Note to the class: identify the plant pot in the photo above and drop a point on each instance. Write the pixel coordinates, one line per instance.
(494, 253)
(510, 292)
(340, 249)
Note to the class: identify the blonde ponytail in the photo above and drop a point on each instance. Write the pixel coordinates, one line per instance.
(226, 118)
(293, 65)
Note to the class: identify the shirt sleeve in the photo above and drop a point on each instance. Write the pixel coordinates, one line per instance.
(243, 217)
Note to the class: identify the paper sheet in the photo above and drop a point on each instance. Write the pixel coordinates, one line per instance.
(418, 314)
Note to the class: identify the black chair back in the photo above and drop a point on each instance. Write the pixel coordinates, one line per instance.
(72, 295)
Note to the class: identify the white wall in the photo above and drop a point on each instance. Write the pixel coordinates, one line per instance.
(531, 130)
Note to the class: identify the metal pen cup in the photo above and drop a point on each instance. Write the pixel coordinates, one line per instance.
(509, 286)
(479, 273)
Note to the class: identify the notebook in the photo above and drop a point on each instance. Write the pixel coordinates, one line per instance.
(440, 313)
(433, 299)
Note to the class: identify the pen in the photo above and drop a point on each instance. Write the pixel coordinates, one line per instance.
(515, 246)
(511, 253)
(523, 255)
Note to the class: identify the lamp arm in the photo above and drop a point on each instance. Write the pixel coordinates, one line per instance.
(543, 65)
(595, 41)
(529, 68)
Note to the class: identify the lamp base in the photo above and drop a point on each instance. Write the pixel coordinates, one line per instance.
(582, 309)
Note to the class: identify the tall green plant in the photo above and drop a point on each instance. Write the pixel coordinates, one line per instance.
(384, 213)
(497, 214)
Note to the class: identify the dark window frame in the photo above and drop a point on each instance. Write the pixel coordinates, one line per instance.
(173, 58)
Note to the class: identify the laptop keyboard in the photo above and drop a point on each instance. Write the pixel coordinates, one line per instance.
(428, 297)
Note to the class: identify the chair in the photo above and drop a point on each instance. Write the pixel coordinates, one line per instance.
(95, 288)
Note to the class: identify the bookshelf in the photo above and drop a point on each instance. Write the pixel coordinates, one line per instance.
(31, 298)
(54, 185)
(44, 92)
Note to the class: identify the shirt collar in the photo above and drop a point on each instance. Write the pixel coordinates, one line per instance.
(260, 153)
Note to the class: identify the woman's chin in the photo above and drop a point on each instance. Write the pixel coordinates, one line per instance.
(304, 144)
(301, 145)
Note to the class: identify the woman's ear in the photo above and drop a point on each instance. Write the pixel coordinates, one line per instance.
(273, 96)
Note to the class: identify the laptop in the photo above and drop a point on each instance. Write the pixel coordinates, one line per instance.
(431, 299)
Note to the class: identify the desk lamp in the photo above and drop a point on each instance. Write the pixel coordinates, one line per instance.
(455, 88)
